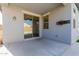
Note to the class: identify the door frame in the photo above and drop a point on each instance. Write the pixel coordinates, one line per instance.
(33, 14)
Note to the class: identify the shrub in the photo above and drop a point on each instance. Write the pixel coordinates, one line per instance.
(77, 40)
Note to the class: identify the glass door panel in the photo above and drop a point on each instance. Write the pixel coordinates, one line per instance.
(27, 26)
(35, 26)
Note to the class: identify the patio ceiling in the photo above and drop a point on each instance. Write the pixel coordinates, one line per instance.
(39, 8)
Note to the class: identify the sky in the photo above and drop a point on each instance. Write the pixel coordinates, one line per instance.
(0, 18)
(29, 22)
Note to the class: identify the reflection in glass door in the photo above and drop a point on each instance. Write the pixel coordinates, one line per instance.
(27, 26)
(31, 26)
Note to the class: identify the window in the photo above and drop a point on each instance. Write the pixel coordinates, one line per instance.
(74, 23)
(45, 22)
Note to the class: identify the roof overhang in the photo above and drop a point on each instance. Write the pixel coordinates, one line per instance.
(39, 8)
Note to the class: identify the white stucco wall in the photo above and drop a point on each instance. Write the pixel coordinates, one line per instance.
(78, 26)
(13, 30)
(63, 32)
(75, 31)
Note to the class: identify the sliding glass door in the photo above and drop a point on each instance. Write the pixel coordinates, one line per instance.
(35, 26)
(31, 26)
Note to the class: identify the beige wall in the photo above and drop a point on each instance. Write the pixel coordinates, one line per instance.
(75, 31)
(56, 32)
(13, 29)
(1, 34)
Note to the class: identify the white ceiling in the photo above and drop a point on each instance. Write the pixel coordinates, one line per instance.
(39, 8)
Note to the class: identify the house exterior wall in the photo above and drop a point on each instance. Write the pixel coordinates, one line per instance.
(75, 31)
(14, 29)
(56, 32)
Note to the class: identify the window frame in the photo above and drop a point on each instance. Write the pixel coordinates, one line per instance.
(46, 22)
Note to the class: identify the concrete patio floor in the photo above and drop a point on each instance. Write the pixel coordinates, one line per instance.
(4, 51)
(73, 50)
(39, 47)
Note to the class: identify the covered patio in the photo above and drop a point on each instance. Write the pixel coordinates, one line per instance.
(49, 42)
(38, 47)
